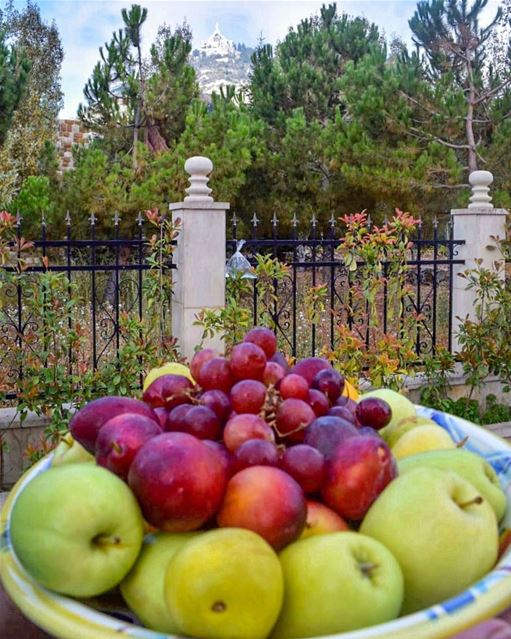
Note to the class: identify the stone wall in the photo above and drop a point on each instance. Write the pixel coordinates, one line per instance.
(70, 132)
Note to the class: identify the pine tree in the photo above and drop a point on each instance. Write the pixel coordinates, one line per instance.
(13, 79)
(130, 100)
(460, 82)
(305, 70)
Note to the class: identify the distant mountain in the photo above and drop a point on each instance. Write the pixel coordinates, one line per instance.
(219, 62)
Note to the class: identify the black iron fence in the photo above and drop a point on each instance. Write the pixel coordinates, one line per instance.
(315, 263)
(106, 282)
(111, 275)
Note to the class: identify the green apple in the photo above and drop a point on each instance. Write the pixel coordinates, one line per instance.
(226, 583)
(401, 407)
(421, 439)
(336, 583)
(441, 530)
(470, 466)
(77, 529)
(142, 588)
(392, 434)
(69, 451)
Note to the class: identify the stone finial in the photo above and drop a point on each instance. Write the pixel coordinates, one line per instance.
(480, 198)
(198, 168)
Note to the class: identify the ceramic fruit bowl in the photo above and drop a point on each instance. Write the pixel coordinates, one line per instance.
(105, 618)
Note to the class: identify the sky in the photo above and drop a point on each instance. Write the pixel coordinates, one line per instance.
(85, 25)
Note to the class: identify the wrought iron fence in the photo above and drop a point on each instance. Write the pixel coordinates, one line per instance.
(314, 260)
(108, 274)
(111, 273)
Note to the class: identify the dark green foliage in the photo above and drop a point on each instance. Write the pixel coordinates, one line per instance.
(129, 100)
(13, 79)
(305, 71)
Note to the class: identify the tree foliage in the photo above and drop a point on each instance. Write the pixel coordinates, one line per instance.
(334, 119)
(13, 78)
(130, 100)
(34, 121)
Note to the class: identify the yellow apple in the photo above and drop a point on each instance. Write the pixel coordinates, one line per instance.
(421, 439)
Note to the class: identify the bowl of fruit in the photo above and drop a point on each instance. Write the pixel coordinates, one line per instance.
(249, 499)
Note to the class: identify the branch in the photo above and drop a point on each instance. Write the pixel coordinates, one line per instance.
(488, 94)
(419, 104)
(450, 186)
(439, 140)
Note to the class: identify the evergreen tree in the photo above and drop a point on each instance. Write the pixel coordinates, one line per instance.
(306, 68)
(129, 100)
(458, 85)
(34, 122)
(13, 78)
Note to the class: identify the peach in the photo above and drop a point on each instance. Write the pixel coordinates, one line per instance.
(267, 501)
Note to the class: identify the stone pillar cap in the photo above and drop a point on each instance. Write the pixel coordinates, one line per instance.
(198, 167)
(480, 198)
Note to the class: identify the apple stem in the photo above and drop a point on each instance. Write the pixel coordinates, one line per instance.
(116, 448)
(106, 540)
(462, 442)
(471, 502)
(366, 567)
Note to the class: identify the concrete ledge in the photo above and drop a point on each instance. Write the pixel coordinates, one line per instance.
(15, 437)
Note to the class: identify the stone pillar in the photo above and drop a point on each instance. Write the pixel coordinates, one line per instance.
(199, 280)
(479, 226)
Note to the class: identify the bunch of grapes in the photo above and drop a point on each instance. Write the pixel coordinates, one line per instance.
(261, 411)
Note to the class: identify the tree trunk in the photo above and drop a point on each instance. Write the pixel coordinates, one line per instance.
(469, 123)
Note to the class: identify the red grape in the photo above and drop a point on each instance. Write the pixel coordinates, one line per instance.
(343, 413)
(374, 412)
(310, 366)
(175, 420)
(256, 452)
(330, 382)
(293, 385)
(168, 391)
(273, 373)
(248, 361)
(248, 396)
(264, 338)
(199, 359)
(293, 415)
(202, 422)
(280, 358)
(219, 403)
(328, 432)
(318, 401)
(306, 465)
(346, 402)
(241, 428)
(216, 375)
(367, 430)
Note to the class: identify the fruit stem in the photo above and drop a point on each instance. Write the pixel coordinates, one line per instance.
(462, 442)
(471, 502)
(366, 567)
(106, 540)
